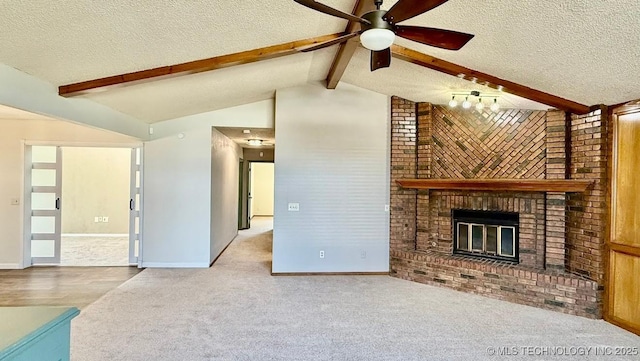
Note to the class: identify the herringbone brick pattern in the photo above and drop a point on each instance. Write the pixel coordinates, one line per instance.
(474, 145)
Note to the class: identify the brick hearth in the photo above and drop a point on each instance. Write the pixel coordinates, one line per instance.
(561, 234)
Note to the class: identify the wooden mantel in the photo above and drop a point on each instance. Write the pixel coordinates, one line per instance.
(527, 185)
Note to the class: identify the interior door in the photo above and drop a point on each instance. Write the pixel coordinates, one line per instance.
(44, 180)
(623, 288)
(135, 203)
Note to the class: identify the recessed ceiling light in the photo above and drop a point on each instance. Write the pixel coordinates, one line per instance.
(255, 142)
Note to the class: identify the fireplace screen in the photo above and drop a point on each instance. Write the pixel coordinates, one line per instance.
(486, 234)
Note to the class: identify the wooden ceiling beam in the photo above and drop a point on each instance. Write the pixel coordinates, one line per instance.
(347, 49)
(491, 81)
(192, 67)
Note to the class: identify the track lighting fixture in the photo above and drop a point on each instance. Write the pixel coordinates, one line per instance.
(479, 105)
(466, 103)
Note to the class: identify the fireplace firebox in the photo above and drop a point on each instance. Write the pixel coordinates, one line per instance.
(486, 234)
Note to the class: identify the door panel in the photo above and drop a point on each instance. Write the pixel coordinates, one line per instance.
(623, 287)
(626, 288)
(627, 217)
(45, 183)
(135, 202)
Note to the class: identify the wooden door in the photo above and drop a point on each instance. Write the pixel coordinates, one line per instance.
(623, 289)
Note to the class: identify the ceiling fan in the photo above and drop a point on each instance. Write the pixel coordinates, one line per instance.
(378, 29)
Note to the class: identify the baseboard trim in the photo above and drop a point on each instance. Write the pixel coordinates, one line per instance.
(10, 266)
(105, 235)
(330, 273)
(173, 265)
(224, 249)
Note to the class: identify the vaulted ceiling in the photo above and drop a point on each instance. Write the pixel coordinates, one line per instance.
(582, 50)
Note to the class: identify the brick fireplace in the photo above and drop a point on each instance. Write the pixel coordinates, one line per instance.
(561, 234)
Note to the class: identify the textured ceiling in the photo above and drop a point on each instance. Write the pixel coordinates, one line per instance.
(583, 50)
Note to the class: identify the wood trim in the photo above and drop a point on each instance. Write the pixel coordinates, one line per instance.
(331, 274)
(491, 81)
(634, 102)
(192, 67)
(622, 324)
(623, 248)
(347, 49)
(527, 185)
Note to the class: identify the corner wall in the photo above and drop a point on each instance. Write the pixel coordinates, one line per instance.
(562, 235)
(190, 198)
(332, 158)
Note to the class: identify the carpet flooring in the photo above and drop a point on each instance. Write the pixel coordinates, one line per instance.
(237, 311)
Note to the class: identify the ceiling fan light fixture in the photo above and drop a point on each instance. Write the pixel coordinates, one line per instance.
(377, 39)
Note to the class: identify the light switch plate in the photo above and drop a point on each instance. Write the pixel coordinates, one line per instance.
(15, 201)
(294, 207)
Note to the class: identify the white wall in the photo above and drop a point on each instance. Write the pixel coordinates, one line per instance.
(253, 115)
(225, 175)
(262, 186)
(332, 157)
(177, 193)
(95, 183)
(23, 91)
(13, 133)
(190, 198)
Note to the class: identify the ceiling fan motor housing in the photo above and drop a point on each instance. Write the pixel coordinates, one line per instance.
(376, 20)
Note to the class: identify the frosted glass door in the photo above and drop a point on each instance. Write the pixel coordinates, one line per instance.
(45, 181)
(134, 205)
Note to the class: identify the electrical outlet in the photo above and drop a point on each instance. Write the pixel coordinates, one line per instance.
(96, 219)
(105, 219)
(386, 208)
(321, 254)
(363, 254)
(294, 207)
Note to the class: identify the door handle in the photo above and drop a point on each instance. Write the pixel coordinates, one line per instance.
(58, 203)
(131, 205)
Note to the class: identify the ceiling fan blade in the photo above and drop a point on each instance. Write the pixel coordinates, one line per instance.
(406, 9)
(380, 59)
(446, 39)
(338, 40)
(331, 11)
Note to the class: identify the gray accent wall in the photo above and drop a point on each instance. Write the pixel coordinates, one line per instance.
(225, 173)
(332, 158)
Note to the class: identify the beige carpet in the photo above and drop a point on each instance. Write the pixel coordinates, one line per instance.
(237, 311)
(87, 251)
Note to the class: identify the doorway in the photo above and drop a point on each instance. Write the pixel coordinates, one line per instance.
(623, 288)
(95, 216)
(261, 189)
(85, 210)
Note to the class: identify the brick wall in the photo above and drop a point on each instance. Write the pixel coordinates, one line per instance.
(431, 141)
(588, 212)
(403, 165)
